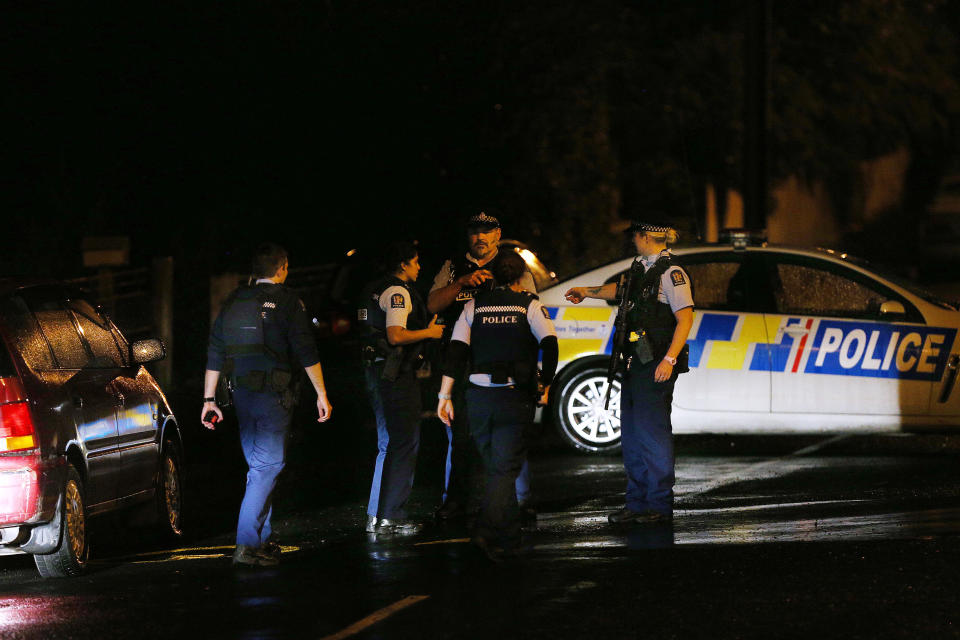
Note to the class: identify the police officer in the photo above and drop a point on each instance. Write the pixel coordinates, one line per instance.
(659, 321)
(395, 327)
(501, 331)
(260, 339)
(457, 282)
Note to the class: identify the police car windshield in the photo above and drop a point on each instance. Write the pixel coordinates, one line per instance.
(901, 281)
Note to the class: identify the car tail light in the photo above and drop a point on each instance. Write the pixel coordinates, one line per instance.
(17, 432)
(19, 457)
(16, 427)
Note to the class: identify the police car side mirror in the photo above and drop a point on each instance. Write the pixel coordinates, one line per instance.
(892, 308)
(146, 351)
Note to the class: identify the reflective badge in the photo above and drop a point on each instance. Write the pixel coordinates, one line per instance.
(396, 301)
(362, 315)
(677, 278)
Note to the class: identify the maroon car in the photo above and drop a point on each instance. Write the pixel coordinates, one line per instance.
(84, 428)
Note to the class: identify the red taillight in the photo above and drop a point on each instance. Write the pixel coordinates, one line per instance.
(16, 427)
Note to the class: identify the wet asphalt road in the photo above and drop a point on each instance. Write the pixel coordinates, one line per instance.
(773, 537)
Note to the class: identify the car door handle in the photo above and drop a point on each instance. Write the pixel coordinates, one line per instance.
(794, 331)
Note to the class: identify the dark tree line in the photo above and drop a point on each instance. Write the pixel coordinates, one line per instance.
(341, 122)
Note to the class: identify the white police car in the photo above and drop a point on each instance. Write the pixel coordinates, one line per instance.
(784, 340)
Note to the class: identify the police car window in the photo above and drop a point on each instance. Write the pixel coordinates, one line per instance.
(727, 281)
(96, 331)
(811, 290)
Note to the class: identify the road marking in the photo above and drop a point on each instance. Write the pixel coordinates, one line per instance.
(450, 541)
(748, 473)
(187, 553)
(376, 617)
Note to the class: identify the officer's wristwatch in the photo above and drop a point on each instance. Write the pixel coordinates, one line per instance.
(444, 396)
(672, 361)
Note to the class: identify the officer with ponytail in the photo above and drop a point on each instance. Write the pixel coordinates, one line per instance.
(498, 339)
(659, 320)
(396, 326)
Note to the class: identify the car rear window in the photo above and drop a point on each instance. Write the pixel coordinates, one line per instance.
(24, 334)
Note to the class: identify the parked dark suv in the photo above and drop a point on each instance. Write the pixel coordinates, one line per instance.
(84, 428)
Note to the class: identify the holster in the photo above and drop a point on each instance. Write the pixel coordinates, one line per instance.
(392, 364)
(640, 349)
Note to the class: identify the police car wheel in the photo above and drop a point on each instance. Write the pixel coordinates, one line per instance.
(579, 415)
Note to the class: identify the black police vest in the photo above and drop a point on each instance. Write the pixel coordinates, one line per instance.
(374, 318)
(648, 313)
(500, 337)
(459, 267)
(251, 358)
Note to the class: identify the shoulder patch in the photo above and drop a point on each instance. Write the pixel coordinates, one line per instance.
(396, 301)
(676, 277)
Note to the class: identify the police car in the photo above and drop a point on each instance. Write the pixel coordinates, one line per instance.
(784, 340)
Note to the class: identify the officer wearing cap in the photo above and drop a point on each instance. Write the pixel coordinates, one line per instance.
(395, 327)
(500, 332)
(659, 320)
(458, 281)
(260, 338)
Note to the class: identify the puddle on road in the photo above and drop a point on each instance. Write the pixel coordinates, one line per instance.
(746, 526)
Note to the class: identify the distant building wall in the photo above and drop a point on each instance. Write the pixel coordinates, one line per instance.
(804, 213)
(883, 180)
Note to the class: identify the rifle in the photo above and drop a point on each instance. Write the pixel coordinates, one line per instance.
(620, 330)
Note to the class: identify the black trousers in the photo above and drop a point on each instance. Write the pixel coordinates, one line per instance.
(646, 435)
(396, 405)
(500, 419)
(463, 476)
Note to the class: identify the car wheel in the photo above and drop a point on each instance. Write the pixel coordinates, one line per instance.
(70, 557)
(579, 414)
(170, 492)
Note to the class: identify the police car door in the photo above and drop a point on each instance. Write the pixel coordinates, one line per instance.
(836, 352)
(729, 368)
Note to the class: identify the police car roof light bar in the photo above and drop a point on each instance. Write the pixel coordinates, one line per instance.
(742, 238)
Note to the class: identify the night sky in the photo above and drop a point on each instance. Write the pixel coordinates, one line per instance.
(207, 127)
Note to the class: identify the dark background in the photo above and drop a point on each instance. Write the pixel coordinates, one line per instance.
(200, 129)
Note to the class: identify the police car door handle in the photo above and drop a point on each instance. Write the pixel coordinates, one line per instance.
(795, 330)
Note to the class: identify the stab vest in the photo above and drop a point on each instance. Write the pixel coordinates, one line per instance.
(374, 320)
(648, 313)
(249, 358)
(500, 337)
(458, 267)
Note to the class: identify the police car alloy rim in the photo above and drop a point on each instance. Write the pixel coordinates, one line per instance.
(585, 414)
